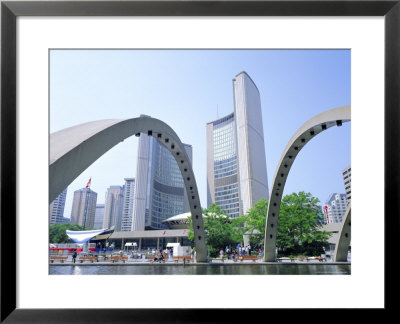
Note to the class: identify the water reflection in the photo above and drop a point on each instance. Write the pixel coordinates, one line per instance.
(204, 269)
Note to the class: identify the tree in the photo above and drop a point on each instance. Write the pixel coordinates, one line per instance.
(57, 232)
(221, 231)
(254, 221)
(299, 225)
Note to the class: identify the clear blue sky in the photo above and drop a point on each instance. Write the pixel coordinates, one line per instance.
(188, 88)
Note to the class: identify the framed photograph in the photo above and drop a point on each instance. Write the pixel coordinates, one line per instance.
(66, 63)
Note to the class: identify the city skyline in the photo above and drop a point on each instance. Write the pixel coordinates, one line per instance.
(299, 84)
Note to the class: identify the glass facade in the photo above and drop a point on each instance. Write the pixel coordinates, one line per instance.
(236, 162)
(57, 208)
(225, 164)
(224, 139)
(228, 198)
(335, 208)
(84, 207)
(99, 216)
(114, 207)
(166, 169)
(347, 182)
(165, 189)
(126, 222)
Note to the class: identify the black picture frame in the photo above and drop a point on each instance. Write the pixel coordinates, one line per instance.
(10, 10)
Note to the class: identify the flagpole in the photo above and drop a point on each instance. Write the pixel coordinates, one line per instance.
(86, 202)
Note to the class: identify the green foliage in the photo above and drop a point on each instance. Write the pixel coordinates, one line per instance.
(57, 232)
(254, 221)
(299, 225)
(221, 231)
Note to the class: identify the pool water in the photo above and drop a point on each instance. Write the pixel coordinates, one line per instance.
(203, 269)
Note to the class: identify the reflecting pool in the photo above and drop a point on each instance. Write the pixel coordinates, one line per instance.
(203, 269)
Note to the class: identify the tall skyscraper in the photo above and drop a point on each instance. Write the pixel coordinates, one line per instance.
(236, 162)
(57, 208)
(84, 207)
(113, 207)
(346, 173)
(99, 216)
(126, 222)
(159, 188)
(335, 208)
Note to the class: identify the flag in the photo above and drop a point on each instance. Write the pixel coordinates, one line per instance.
(326, 214)
(88, 184)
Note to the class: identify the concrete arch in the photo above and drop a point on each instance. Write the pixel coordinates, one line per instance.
(74, 149)
(304, 134)
(342, 246)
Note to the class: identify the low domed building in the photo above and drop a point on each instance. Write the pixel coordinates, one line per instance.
(180, 221)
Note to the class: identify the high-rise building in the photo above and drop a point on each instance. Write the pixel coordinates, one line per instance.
(335, 208)
(99, 216)
(57, 208)
(126, 222)
(113, 207)
(236, 162)
(159, 186)
(346, 173)
(84, 207)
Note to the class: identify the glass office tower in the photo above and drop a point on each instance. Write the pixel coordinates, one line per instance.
(126, 222)
(84, 207)
(57, 208)
(222, 165)
(99, 216)
(159, 189)
(113, 207)
(236, 162)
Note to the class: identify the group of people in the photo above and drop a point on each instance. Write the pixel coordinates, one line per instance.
(233, 254)
(162, 255)
(245, 250)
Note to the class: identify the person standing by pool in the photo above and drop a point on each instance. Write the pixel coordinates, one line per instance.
(74, 256)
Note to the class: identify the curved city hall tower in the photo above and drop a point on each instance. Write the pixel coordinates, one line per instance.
(159, 188)
(236, 163)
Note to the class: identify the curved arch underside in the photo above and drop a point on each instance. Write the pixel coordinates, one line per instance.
(311, 128)
(74, 149)
(342, 246)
